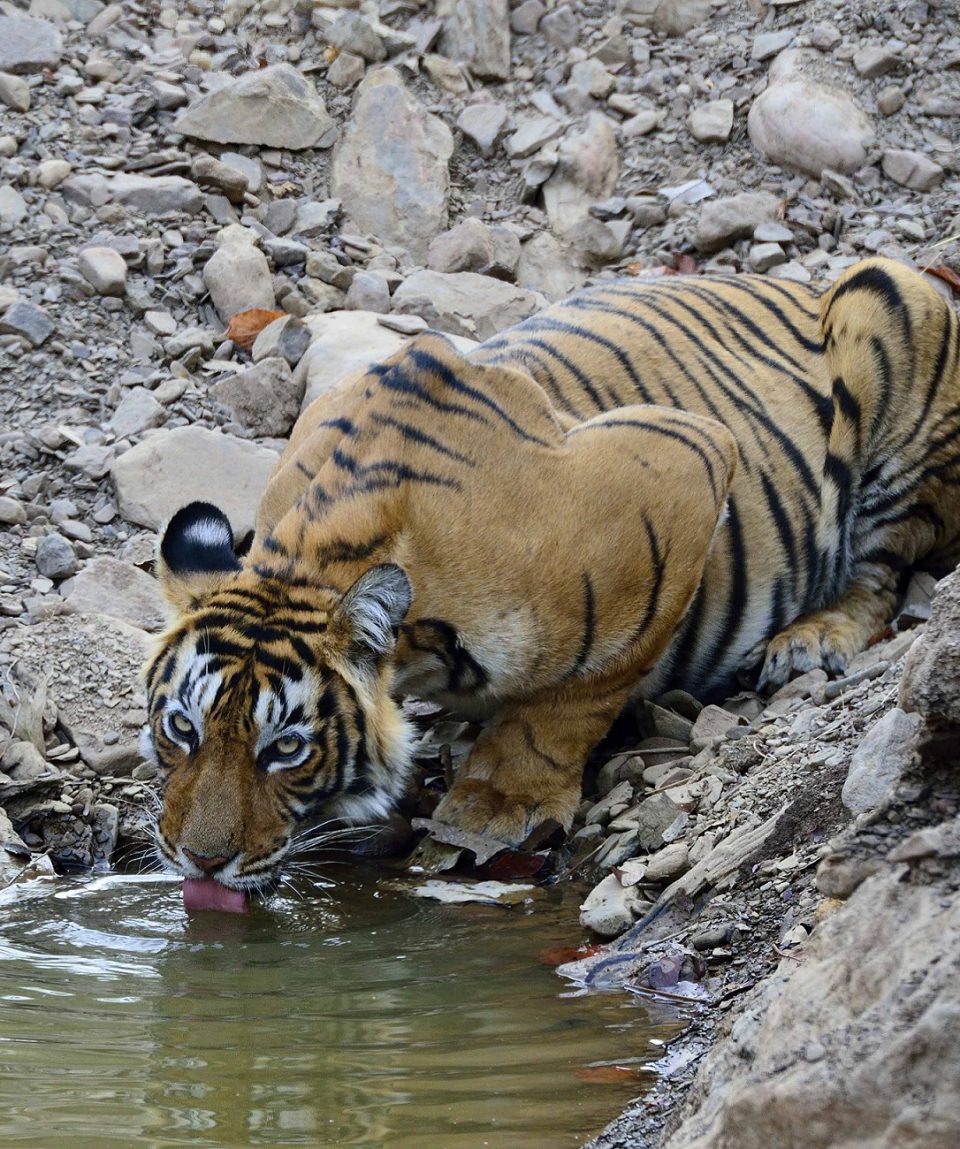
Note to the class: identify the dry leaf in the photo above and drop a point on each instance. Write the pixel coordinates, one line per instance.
(947, 274)
(245, 326)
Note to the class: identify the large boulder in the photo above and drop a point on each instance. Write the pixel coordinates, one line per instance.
(390, 167)
(28, 45)
(931, 677)
(477, 32)
(586, 171)
(163, 473)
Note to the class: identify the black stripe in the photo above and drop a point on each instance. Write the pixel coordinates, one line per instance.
(589, 627)
(415, 435)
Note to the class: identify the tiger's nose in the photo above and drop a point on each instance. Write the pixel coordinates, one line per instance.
(205, 862)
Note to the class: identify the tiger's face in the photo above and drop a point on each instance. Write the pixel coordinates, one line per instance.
(269, 706)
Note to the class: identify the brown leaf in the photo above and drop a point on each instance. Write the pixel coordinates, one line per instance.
(947, 274)
(245, 326)
(560, 955)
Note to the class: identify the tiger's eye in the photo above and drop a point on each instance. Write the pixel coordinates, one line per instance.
(287, 746)
(182, 724)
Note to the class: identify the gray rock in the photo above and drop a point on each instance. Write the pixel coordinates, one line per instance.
(287, 338)
(561, 28)
(368, 291)
(13, 207)
(806, 126)
(880, 760)
(931, 676)
(104, 269)
(467, 247)
(874, 60)
(345, 343)
(763, 256)
(55, 557)
(14, 92)
(483, 124)
(118, 589)
(722, 221)
(526, 17)
(768, 44)
(212, 173)
(655, 815)
(712, 123)
(668, 863)
(28, 45)
(586, 171)
(390, 168)
(265, 398)
(346, 70)
(891, 99)
(277, 107)
(28, 320)
(531, 135)
(351, 33)
(171, 468)
(610, 908)
(12, 512)
(545, 267)
(237, 275)
(476, 306)
(135, 412)
(671, 17)
(477, 32)
(912, 170)
(154, 195)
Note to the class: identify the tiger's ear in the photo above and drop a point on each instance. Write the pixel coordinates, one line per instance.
(371, 611)
(195, 555)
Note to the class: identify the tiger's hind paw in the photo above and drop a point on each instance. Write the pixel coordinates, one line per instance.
(807, 645)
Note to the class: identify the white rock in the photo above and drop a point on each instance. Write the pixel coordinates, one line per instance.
(805, 126)
(28, 45)
(879, 761)
(237, 275)
(13, 207)
(768, 44)
(135, 412)
(172, 468)
(913, 170)
(276, 106)
(544, 266)
(763, 256)
(104, 269)
(464, 303)
(345, 343)
(14, 92)
(722, 221)
(483, 124)
(668, 863)
(586, 171)
(712, 123)
(52, 173)
(610, 908)
(390, 168)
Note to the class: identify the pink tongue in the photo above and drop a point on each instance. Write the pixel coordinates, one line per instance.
(207, 894)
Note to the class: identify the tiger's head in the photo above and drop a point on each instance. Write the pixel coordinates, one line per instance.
(269, 705)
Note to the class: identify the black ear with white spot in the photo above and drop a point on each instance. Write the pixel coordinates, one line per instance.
(372, 609)
(194, 554)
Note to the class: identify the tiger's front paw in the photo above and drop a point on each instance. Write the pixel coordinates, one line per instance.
(478, 806)
(811, 645)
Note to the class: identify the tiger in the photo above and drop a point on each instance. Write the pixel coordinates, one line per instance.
(653, 484)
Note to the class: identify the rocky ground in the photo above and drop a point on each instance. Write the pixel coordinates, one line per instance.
(210, 213)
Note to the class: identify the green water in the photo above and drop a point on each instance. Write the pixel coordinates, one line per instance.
(374, 1019)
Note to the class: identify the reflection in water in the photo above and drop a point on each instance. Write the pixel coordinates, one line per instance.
(374, 1020)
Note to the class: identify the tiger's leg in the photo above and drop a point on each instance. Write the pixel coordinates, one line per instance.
(829, 638)
(527, 765)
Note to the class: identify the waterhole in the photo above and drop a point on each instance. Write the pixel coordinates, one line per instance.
(370, 1019)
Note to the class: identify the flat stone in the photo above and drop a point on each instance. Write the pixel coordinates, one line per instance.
(28, 320)
(28, 45)
(712, 123)
(768, 44)
(345, 343)
(350, 32)
(466, 247)
(213, 173)
(287, 338)
(668, 863)
(390, 168)
(723, 221)
(806, 126)
(763, 256)
(265, 398)
(276, 107)
(104, 269)
(874, 60)
(531, 135)
(610, 908)
(912, 170)
(154, 195)
(476, 306)
(136, 411)
(368, 291)
(117, 589)
(483, 123)
(163, 473)
(346, 70)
